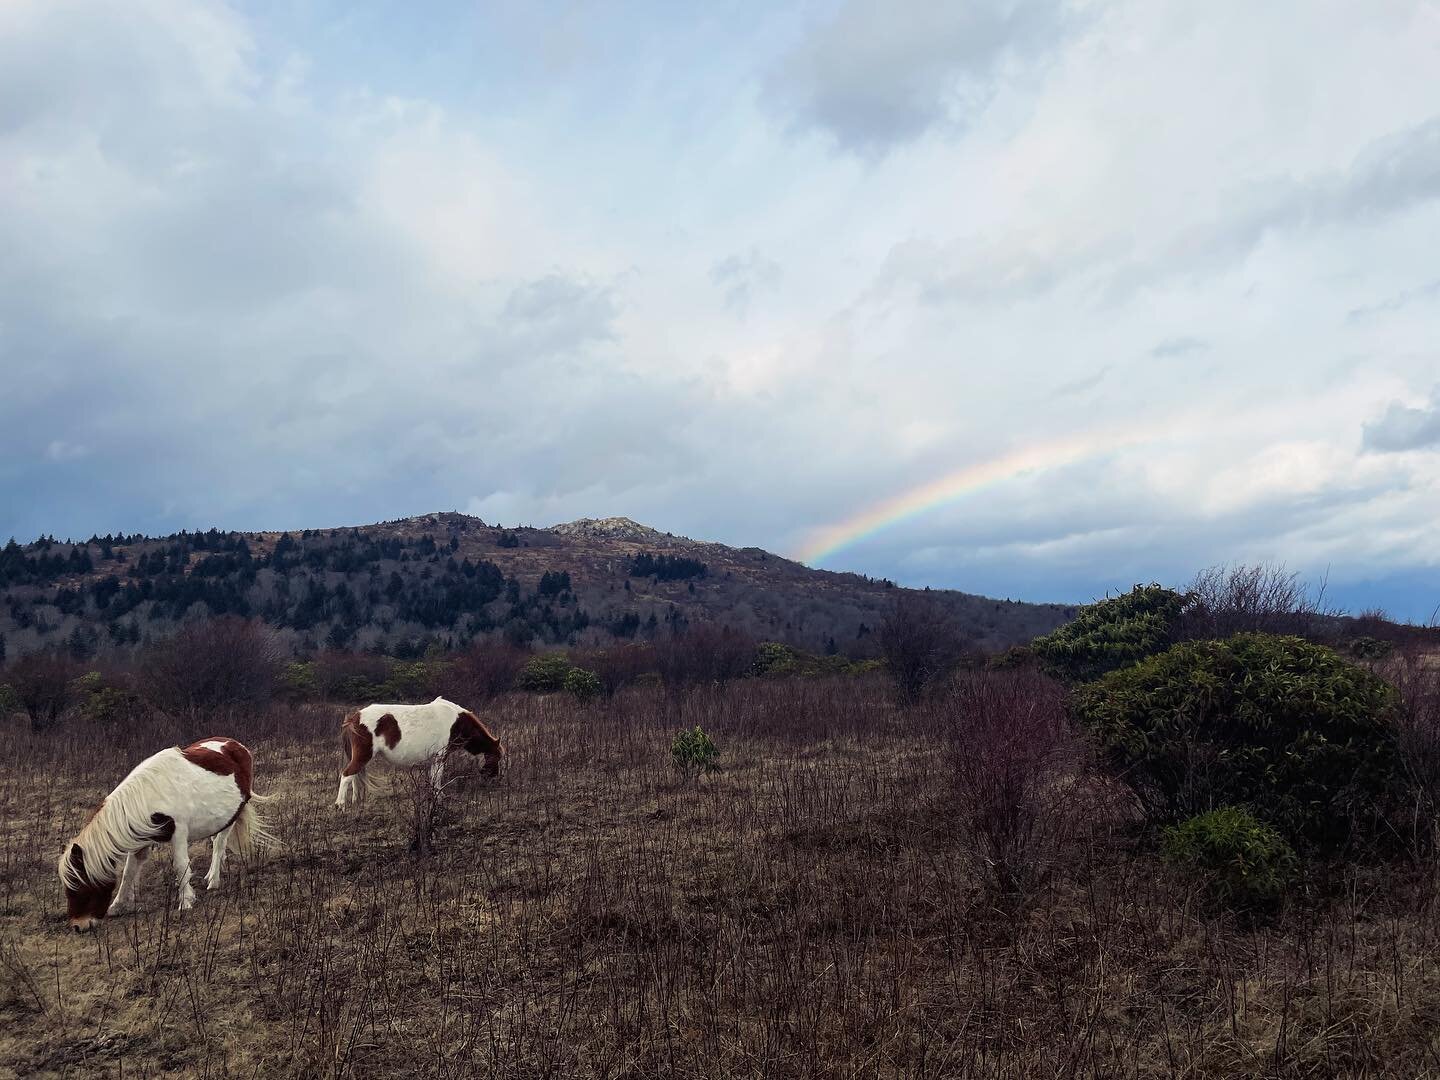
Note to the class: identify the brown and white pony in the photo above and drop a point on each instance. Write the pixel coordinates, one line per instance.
(411, 735)
(178, 795)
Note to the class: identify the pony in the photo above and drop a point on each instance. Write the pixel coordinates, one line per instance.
(410, 735)
(181, 794)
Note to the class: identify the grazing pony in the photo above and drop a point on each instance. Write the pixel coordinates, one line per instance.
(409, 735)
(180, 794)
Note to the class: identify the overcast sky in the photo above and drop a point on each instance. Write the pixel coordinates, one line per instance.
(740, 276)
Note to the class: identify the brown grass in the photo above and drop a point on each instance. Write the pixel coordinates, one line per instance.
(812, 911)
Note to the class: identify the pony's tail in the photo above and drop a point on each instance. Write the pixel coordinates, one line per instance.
(251, 832)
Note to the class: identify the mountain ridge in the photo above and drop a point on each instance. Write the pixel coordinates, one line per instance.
(451, 578)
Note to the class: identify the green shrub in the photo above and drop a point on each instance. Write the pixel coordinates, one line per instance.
(112, 706)
(1019, 656)
(414, 680)
(9, 700)
(544, 674)
(1369, 648)
(1112, 634)
(84, 685)
(583, 685)
(1242, 862)
(864, 667)
(775, 658)
(1286, 727)
(297, 680)
(694, 753)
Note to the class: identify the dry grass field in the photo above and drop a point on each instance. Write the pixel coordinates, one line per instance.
(821, 908)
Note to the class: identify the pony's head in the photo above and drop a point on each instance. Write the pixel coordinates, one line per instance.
(492, 760)
(86, 900)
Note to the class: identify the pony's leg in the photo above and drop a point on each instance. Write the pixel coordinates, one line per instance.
(342, 796)
(180, 854)
(437, 773)
(129, 880)
(217, 857)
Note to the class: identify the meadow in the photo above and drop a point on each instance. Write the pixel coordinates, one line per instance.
(946, 890)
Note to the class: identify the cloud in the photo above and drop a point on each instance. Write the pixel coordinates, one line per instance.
(246, 305)
(1081, 385)
(1392, 304)
(1178, 346)
(559, 314)
(1404, 427)
(1391, 175)
(262, 270)
(59, 450)
(880, 73)
(742, 277)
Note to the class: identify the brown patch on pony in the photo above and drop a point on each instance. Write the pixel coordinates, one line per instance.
(232, 759)
(388, 728)
(92, 899)
(475, 737)
(358, 743)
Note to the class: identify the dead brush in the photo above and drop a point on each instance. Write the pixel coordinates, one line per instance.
(828, 906)
(1016, 774)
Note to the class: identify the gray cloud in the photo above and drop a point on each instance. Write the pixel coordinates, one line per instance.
(742, 277)
(1178, 346)
(1081, 385)
(244, 291)
(559, 314)
(1391, 175)
(1391, 304)
(880, 73)
(1405, 428)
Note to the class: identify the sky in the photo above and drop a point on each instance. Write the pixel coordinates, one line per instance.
(1035, 299)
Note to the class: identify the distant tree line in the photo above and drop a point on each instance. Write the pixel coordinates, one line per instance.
(666, 567)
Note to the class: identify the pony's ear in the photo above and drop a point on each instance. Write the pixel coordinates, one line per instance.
(77, 858)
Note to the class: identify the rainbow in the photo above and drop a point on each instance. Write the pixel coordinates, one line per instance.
(967, 480)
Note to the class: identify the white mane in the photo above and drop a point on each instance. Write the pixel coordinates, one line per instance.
(120, 826)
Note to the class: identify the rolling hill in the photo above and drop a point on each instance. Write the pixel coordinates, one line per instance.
(397, 586)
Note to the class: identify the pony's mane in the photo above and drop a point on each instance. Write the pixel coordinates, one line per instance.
(120, 826)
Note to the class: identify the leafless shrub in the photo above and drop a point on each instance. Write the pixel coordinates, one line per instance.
(218, 665)
(19, 988)
(921, 643)
(1015, 766)
(804, 914)
(482, 671)
(703, 654)
(1264, 597)
(1415, 674)
(348, 676)
(424, 800)
(618, 666)
(43, 681)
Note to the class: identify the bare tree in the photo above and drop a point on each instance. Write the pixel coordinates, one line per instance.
(1013, 761)
(43, 683)
(1265, 597)
(921, 643)
(482, 671)
(618, 665)
(211, 665)
(703, 654)
(1416, 679)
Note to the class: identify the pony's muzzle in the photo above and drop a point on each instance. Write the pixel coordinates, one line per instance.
(83, 923)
